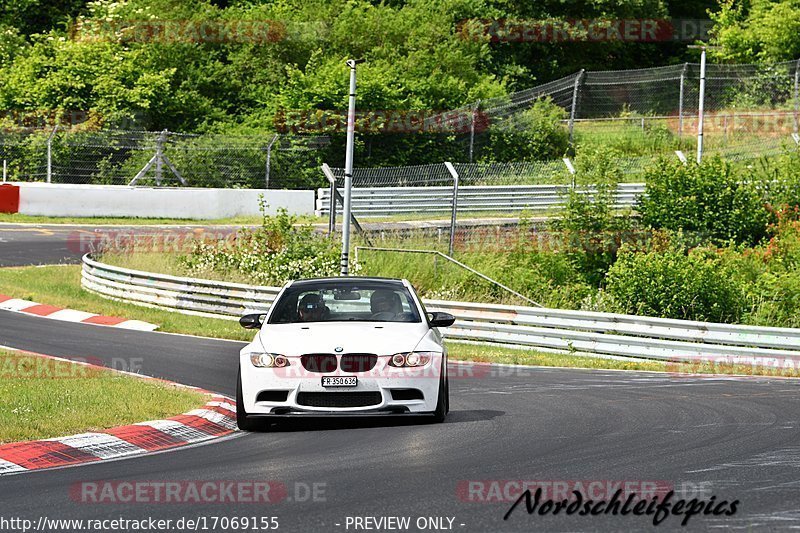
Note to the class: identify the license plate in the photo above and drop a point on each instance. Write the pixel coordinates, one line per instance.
(339, 381)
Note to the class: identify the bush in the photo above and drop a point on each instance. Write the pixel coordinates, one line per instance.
(674, 284)
(773, 277)
(781, 179)
(533, 135)
(276, 252)
(591, 230)
(707, 199)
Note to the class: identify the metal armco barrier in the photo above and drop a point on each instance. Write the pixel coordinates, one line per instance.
(381, 201)
(194, 296)
(548, 329)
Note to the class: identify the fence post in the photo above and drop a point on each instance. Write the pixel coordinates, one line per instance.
(160, 155)
(449, 166)
(573, 112)
(680, 101)
(50, 154)
(796, 101)
(472, 129)
(269, 157)
(5, 170)
(701, 105)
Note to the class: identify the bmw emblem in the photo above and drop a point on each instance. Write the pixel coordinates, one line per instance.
(338, 349)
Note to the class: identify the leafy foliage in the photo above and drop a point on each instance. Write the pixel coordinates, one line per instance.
(672, 283)
(534, 134)
(757, 30)
(708, 200)
(278, 251)
(591, 227)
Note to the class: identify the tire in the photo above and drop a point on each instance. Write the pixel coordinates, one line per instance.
(242, 422)
(442, 403)
(447, 392)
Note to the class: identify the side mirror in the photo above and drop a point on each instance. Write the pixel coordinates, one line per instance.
(252, 321)
(441, 320)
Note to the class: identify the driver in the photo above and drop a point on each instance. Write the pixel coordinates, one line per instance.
(310, 308)
(384, 301)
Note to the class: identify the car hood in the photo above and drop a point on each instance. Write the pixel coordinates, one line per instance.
(381, 338)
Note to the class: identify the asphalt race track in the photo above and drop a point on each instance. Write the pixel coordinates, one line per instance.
(35, 245)
(47, 244)
(733, 439)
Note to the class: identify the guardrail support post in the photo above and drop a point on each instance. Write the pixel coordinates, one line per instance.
(454, 214)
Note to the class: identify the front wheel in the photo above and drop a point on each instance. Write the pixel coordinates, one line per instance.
(242, 422)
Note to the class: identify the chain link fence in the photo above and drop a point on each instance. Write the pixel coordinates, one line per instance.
(751, 112)
(116, 157)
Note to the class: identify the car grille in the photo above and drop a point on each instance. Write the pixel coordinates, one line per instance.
(325, 363)
(338, 399)
(358, 362)
(319, 362)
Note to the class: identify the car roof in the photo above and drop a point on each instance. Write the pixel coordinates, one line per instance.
(347, 279)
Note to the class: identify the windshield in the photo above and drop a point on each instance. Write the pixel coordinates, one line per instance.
(346, 300)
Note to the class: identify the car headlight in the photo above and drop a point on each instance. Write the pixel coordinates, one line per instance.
(411, 359)
(269, 360)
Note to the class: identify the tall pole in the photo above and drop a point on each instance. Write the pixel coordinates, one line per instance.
(348, 168)
(700, 115)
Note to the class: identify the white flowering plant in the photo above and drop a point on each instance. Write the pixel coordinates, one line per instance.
(279, 250)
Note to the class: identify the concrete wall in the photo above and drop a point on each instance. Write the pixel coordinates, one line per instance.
(163, 202)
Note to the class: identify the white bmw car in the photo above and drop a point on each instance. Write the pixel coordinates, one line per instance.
(343, 346)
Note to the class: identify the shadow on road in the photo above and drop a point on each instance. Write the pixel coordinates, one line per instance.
(327, 424)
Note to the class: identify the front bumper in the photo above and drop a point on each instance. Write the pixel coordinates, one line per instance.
(383, 379)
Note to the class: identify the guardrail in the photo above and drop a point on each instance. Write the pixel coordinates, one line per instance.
(382, 201)
(547, 329)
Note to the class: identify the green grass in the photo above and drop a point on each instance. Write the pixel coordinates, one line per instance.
(499, 354)
(42, 398)
(61, 286)
(433, 277)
